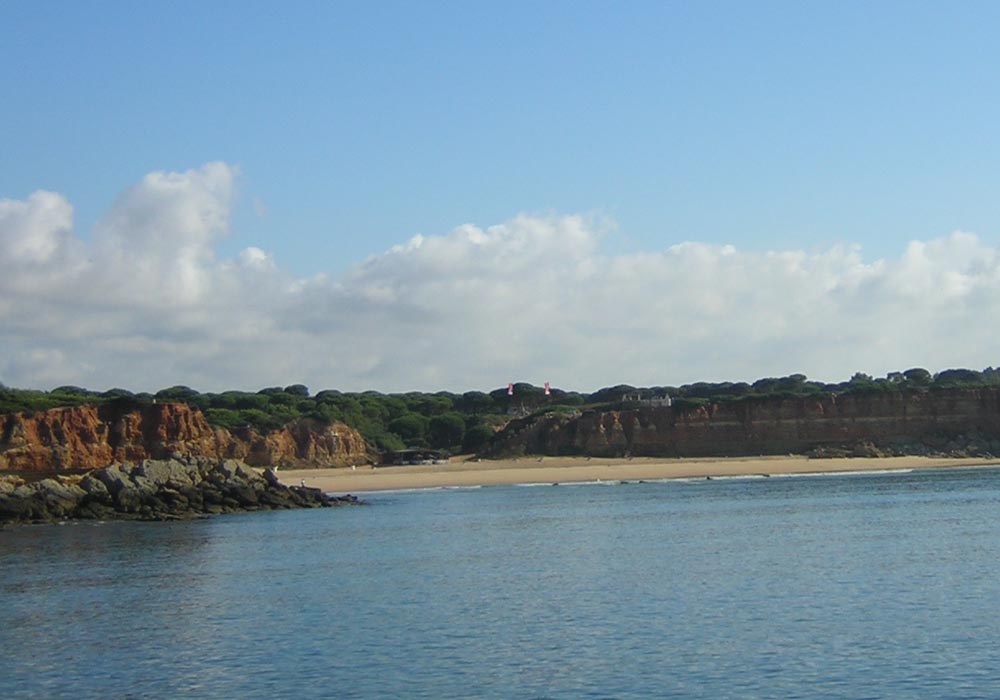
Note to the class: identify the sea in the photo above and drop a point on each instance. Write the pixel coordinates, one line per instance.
(877, 585)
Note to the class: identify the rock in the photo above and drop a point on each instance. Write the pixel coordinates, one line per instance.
(94, 437)
(92, 510)
(249, 474)
(171, 473)
(155, 490)
(17, 505)
(9, 482)
(113, 478)
(59, 499)
(95, 488)
(242, 494)
(42, 501)
(128, 500)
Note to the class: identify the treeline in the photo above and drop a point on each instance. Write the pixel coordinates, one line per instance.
(441, 420)
(465, 422)
(916, 379)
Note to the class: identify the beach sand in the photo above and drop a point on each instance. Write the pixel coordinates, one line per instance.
(460, 471)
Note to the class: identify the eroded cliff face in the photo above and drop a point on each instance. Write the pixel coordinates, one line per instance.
(892, 423)
(92, 437)
(302, 443)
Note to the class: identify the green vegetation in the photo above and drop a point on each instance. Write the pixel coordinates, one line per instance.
(466, 422)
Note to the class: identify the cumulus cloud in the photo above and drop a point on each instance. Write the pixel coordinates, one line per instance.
(256, 259)
(146, 303)
(35, 231)
(162, 229)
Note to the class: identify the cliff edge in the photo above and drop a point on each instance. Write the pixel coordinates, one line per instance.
(952, 422)
(92, 437)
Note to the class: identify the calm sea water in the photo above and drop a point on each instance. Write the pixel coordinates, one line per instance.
(864, 586)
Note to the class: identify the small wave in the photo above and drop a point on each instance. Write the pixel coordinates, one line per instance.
(659, 480)
(853, 472)
(703, 479)
(415, 489)
(376, 492)
(731, 477)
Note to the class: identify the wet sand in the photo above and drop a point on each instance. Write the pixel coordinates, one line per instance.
(461, 471)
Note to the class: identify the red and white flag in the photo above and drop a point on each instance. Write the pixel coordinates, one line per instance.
(510, 389)
(548, 389)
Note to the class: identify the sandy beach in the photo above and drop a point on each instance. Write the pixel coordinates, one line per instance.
(461, 471)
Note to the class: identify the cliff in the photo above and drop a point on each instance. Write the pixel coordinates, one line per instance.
(92, 437)
(953, 421)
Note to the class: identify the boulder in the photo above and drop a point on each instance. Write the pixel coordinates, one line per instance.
(95, 488)
(59, 499)
(9, 482)
(156, 490)
(171, 473)
(113, 478)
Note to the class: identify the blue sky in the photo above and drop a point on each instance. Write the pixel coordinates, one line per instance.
(348, 128)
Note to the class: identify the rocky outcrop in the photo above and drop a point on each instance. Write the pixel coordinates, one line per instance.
(301, 443)
(155, 490)
(958, 422)
(91, 437)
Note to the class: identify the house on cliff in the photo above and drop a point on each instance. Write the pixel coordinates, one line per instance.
(643, 399)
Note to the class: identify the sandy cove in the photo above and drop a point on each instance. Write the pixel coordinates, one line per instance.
(460, 471)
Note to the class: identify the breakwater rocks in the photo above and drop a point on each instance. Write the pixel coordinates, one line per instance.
(947, 422)
(172, 489)
(92, 437)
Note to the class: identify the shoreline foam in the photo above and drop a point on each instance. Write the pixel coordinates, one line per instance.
(463, 473)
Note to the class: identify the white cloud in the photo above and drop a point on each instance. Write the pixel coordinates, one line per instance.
(160, 232)
(146, 304)
(35, 231)
(256, 259)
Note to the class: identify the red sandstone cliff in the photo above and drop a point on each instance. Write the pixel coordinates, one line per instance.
(90, 437)
(302, 443)
(900, 423)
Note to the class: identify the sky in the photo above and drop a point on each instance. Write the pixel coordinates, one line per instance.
(456, 195)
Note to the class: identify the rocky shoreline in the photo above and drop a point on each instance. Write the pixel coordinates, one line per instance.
(170, 489)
